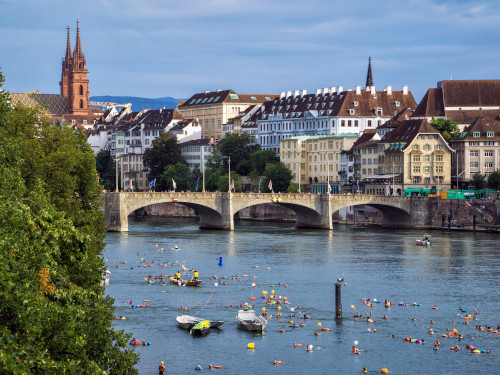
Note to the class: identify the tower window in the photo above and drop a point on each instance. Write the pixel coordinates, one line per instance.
(81, 103)
(81, 90)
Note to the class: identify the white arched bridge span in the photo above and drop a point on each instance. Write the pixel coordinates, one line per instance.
(217, 210)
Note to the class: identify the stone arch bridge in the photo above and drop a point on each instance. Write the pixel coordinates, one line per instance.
(217, 210)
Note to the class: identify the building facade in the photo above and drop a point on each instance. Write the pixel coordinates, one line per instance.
(477, 151)
(314, 160)
(214, 109)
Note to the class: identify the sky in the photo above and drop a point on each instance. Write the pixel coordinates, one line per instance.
(157, 48)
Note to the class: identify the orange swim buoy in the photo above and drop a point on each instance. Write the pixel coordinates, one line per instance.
(296, 345)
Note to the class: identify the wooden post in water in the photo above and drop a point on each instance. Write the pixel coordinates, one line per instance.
(474, 223)
(338, 298)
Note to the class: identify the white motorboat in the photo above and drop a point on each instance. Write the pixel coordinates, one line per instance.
(250, 321)
(188, 322)
(425, 241)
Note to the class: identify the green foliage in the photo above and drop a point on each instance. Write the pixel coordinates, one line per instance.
(494, 180)
(223, 184)
(196, 176)
(163, 152)
(294, 187)
(214, 170)
(106, 167)
(260, 158)
(180, 173)
(447, 128)
(54, 315)
(280, 176)
(478, 181)
(238, 147)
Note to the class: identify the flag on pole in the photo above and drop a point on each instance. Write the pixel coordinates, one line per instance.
(357, 186)
(196, 188)
(270, 186)
(390, 189)
(298, 189)
(131, 186)
(152, 184)
(329, 188)
(232, 185)
(259, 185)
(174, 184)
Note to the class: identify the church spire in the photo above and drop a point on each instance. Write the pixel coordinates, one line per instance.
(68, 47)
(369, 77)
(78, 47)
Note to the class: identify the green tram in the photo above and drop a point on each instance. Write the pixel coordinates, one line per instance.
(450, 194)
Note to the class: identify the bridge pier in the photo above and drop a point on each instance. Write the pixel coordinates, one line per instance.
(115, 215)
(224, 221)
(319, 218)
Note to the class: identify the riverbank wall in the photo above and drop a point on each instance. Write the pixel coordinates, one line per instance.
(472, 215)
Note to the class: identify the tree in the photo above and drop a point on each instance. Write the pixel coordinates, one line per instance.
(280, 176)
(447, 128)
(180, 173)
(494, 180)
(259, 159)
(164, 151)
(106, 167)
(196, 179)
(214, 170)
(294, 188)
(54, 315)
(238, 147)
(478, 181)
(223, 184)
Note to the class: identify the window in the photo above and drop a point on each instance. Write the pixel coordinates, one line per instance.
(489, 143)
(439, 157)
(474, 164)
(415, 147)
(355, 103)
(416, 180)
(427, 158)
(351, 112)
(476, 134)
(490, 134)
(439, 169)
(427, 147)
(342, 123)
(81, 103)
(369, 123)
(416, 169)
(474, 154)
(416, 157)
(396, 103)
(426, 170)
(349, 123)
(488, 164)
(81, 90)
(439, 147)
(488, 153)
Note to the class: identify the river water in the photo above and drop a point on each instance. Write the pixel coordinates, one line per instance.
(458, 272)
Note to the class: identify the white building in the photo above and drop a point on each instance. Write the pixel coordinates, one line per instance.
(197, 152)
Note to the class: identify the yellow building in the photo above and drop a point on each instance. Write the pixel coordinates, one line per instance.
(412, 156)
(214, 109)
(315, 159)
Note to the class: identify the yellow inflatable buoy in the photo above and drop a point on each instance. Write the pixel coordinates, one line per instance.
(251, 345)
(279, 308)
(319, 324)
(352, 306)
(263, 309)
(476, 351)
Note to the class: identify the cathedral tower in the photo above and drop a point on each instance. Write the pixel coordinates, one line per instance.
(74, 82)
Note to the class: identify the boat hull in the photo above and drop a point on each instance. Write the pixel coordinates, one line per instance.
(186, 282)
(251, 322)
(187, 322)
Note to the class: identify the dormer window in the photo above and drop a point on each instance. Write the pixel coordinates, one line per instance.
(397, 104)
(355, 103)
(351, 111)
(295, 106)
(476, 134)
(378, 111)
(316, 105)
(490, 134)
(323, 105)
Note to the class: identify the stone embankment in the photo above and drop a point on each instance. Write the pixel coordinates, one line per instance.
(479, 215)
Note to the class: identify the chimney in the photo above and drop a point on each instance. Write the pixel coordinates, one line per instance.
(318, 92)
(405, 90)
(358, 90)
(325, 90)
(219, 90)
(206, 91)
(389, 90)
(333, 89)
(372, 90)
(296, 93)
(341, 88)
(282, 95)
(288, 94)
(303, 93)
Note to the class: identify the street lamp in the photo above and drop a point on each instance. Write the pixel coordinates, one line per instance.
(116, 174)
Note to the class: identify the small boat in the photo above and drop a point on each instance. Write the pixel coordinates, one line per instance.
(358, 226)
(201, 328)
(176, 248)
(188, 322)
(181, 282)
(425, 241)
(250, 321)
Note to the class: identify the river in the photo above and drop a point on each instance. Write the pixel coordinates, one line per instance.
(458, 272)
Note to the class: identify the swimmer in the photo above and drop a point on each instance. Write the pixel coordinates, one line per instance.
(385, 317)
(431, 332)
(368, 320)
(364, 369)
(431, 321)
(456, 348)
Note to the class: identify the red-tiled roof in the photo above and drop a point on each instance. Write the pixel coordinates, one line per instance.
(480, 129)
(471, 93)
(217, 97)
(431, 104)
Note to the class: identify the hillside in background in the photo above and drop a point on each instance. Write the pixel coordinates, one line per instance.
(138, 103)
